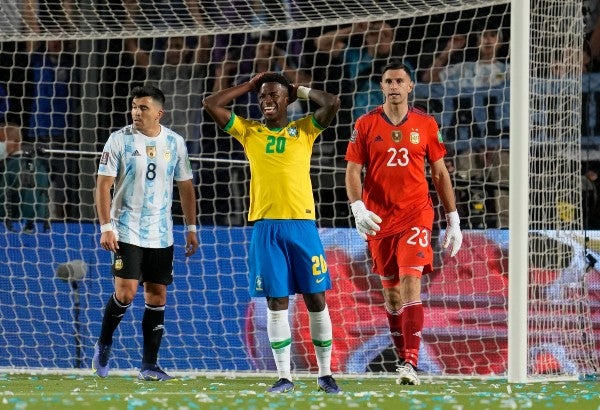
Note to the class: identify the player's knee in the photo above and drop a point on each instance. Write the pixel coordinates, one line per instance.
(315, 302)
(124, 297)
(393, 297)
(277, 303)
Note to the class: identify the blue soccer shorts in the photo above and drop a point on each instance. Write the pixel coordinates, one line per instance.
(287, 257)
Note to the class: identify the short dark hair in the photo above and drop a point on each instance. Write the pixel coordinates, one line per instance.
(399, 65)
(149, 91)
(274, 78)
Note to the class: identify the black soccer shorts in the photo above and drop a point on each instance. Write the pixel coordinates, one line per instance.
(153, 265)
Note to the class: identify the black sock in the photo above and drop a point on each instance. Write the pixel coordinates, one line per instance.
(113, 313)
(152, 328)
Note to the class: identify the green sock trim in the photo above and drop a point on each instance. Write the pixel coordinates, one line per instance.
(322, 343)
(281, 344)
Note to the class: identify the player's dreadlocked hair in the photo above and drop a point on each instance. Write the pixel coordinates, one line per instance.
(275, 78)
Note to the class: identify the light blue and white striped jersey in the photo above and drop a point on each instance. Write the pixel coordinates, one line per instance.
(145, 168)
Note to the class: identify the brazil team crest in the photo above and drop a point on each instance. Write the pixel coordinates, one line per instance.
(293, 132)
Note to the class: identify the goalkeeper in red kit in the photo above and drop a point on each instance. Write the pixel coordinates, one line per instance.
(392, 208)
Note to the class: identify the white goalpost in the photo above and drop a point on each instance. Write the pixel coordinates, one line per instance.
(518, 199)
(521, 300)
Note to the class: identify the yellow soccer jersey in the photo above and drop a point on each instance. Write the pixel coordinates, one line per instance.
(280, 186)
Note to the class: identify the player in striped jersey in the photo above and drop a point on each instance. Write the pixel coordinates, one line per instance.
(392, 207)
(286, 253)
(141, 161)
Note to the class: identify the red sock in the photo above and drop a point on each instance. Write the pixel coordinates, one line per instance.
(395, 321)
(412, 325)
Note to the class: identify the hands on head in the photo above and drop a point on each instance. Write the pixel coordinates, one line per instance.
(256, 80)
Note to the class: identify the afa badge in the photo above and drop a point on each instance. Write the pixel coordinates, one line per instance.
(167, 155)
(415, 138)
(118, 264)
(150, 151)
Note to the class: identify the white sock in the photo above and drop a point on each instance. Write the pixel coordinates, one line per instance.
(321, 333)
(280, 337)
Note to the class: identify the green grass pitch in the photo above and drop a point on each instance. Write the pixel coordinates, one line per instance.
(78, 391)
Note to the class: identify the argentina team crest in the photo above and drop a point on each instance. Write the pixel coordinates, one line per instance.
(118, 263)
(415, 138)
(167, 155)
(396, 135)
(150, 151)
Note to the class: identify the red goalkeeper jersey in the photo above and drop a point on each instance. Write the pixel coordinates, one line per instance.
(395, 186)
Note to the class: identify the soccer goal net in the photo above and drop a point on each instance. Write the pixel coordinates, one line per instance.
(67, 69)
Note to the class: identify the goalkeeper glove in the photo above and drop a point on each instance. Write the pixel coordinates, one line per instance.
(366, 221)
(453, 234)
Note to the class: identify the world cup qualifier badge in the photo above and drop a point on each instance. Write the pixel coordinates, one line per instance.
(396, 135)
(104, 158)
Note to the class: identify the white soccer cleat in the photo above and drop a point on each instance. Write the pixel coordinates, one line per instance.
(407, 375)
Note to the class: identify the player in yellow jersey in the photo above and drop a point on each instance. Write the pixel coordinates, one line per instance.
(286, 254)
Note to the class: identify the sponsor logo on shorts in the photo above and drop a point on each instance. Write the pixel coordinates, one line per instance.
(259, 283)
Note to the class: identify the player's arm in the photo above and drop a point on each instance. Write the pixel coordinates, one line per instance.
(354, 181)
(329, 104)
(367, 222)
(443, 186)
(187, 195)
(217, 104)
(108, 239)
